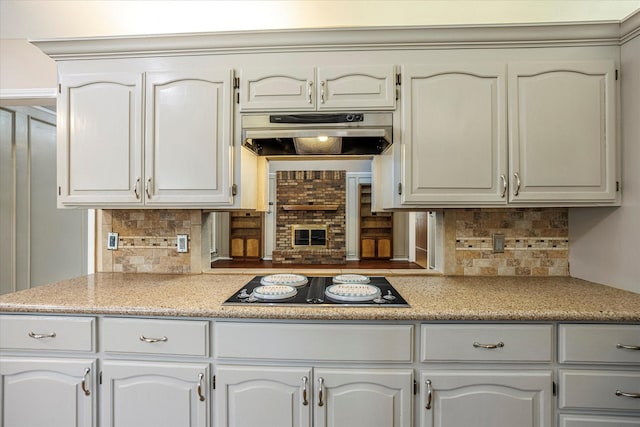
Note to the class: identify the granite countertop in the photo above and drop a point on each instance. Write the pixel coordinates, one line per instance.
(430, 298)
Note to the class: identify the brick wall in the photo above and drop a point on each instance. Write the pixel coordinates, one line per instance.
(311, 188)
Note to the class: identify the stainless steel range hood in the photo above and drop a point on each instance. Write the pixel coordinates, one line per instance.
(312, 134)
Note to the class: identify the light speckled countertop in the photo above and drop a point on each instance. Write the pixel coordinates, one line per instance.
(430, 297)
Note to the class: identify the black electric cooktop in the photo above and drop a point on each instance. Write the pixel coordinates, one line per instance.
(313, 294)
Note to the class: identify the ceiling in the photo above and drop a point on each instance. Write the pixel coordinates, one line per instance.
(31, 19)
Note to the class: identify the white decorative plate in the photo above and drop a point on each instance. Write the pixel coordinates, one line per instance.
(352, 292)
(351, 278)
(296, 280)
(274, 292)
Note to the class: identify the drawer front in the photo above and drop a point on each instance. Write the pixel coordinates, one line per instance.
(599, 343)
(590, 389)
(47, 333)
(486, 343)
(318, 342)
(151, 336)
(595, 421)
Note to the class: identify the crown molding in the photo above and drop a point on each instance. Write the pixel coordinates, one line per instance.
(17, 97)
(332, 39)
(630, 27)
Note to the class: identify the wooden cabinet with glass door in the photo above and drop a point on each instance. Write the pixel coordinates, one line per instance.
(245, 234)
(376, 228)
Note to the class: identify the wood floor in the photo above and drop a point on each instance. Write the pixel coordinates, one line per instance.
(373, 264)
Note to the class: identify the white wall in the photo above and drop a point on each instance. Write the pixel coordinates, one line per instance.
(605, 242)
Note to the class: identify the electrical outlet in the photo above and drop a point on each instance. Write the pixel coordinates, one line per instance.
(498, 243)
(182, 243)
(112, 241)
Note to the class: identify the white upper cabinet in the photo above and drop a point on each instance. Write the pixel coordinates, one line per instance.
(100, 139)
(562, 130)
(454, 134)
(184, 159)
(306, 88)
(188, 138)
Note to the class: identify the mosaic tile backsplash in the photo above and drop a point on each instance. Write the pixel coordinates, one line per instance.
(536, 242)
(147, 240)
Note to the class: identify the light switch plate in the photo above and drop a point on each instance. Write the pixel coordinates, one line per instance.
(182, 243)
(498, 243)
(112, 241)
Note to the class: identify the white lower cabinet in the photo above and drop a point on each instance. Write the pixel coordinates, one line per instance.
(154, 394)
(487, 398)
(597, 421)
(305, 396)
(47, 392)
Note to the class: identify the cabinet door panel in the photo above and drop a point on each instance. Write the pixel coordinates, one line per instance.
(486, 399)
(262, 396)
(562, 131)
(47, 392)
(361, 87)
(100, 138)
(363, 398)
(279, 88)
(455, 134)
(144, 394)
(188, 138)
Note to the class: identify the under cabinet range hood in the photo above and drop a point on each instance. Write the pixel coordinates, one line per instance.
(312, 134)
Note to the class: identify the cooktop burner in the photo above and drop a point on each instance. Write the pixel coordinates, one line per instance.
(297, 290)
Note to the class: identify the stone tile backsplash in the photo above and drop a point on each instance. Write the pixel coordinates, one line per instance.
(147, 241)
(536, 241)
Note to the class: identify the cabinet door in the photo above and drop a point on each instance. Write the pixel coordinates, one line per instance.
(277, 88)
(263, 396)
(360, 87)
(145, 394)
(485, 398)
(454, 134)
(47, 392)
(100, 139)
(562, 131)
(188, 138)
(363, 397)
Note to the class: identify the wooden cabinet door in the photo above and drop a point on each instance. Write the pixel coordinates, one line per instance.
(454, 134)
(47, 392)
(562, 131)
(99, 155)
(277, 88)
(367, 248)
(384, 248)
(360, 87)
(154, 394)
(485, 398)
(363, 397)
(188, 138)
(251, 396)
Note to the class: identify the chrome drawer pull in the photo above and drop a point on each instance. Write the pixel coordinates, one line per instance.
(305, 402)
(628, 347)
(516, 191)
(429, 394)
(504, 186)
(145, 339)
(87, 392)
(200, 378)
(40, 336)
(489, 346)
(625, 394)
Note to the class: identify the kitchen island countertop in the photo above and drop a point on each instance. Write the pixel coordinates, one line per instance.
(430, 298)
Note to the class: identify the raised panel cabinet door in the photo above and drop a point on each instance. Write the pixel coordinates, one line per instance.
(47, 392)
(360, 87)
(154, 394)
(363, 397)
(562, 131)
(455, 134)
(384, 248)
(251, 396)
(367, 248)
(277, 88)
(99, 155)
(485, 398)
(188, 138)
